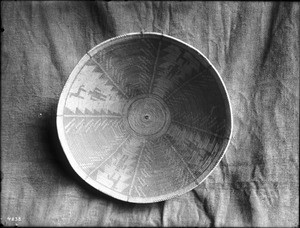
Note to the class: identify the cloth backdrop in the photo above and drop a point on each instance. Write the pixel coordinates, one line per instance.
(253, 45)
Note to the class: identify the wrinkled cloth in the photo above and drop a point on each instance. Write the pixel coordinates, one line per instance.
(253, 45)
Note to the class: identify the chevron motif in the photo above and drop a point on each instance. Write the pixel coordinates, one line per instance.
(210, 122)
(91, 148)
(195, 146)
(173, 67)
(130, 67)
(159, 162)
(194, 104)
(84, 125)
(118, 170)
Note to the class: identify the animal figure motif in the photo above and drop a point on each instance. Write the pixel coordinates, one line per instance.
(180, 61)
(97, 94)
(77, 94)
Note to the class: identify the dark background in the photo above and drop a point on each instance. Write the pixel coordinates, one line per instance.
(253, 45)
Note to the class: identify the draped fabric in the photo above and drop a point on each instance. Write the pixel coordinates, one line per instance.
(253, 45)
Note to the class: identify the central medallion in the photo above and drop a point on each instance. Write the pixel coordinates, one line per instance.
(147, 115)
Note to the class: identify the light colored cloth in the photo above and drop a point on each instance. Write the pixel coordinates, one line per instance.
(253, 45)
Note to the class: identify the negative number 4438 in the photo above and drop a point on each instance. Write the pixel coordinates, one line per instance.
(17, 219)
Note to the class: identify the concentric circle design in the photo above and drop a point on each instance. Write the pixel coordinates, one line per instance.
(147, 116)
(144, 117)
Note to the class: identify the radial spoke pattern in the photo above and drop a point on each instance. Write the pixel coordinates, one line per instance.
(144, 118)
(154, 69)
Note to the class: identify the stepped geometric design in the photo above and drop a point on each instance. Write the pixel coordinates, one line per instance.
(144, 117)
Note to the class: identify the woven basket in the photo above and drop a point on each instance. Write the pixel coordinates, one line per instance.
(144, 117)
